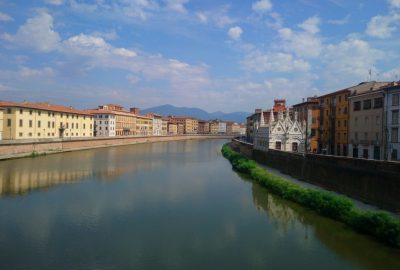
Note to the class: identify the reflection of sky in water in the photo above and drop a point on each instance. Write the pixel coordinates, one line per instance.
(171, 205)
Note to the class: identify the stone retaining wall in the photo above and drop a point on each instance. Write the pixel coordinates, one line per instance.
(23, 148)
(372, 181)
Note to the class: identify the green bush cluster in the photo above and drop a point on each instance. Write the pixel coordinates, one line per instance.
(378, 224)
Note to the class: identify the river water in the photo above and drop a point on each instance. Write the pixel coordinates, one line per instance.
(173, 205)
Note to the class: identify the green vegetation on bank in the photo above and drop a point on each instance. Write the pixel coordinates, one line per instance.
(36, 154)
(378, 224)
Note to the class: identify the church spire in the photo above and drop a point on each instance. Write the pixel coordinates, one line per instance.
(262, 121)
(271, 117)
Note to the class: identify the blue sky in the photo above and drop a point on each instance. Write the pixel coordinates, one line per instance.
(216, 55)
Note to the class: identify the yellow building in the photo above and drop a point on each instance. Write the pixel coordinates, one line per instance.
(164, 130)
(1, 124)
(28, 120)
(172, 129)
(144, 125)
(190, 124)
(214, 127)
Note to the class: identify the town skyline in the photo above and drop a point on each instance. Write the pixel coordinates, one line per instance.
(225, 56)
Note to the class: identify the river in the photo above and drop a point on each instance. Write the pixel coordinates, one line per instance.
(172, 205)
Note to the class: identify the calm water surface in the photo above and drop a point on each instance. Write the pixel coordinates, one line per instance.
(175, 205)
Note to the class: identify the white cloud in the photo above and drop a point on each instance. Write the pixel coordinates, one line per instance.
(278, 62)
(391, 75)
(350, 60)
(218, 16)
(54, 2)
(235, 32)
(383, 26)
(202, 17)
(37, 33)
(302, 43)
(177, 5)
(30, 72)
(395, 3)
(5, 17)
(262, 6)
(311, 25)
(343, 21)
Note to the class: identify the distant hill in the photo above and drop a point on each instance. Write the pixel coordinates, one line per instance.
(166, 110)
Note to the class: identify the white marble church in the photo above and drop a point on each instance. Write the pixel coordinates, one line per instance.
(283, 134)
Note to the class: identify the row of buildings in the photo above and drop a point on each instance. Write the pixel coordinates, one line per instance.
(360, 121)
(26, 120)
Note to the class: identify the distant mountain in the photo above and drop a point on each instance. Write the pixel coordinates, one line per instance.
(166, 110)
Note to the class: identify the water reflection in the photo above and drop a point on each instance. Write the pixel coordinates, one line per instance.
(347, 244)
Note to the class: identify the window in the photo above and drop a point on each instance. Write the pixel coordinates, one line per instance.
(84, 126)
(52, 124)
(39, 112)
(278, 145)
(313, 132)
(30, 134)
(339, 111)
(294, 147)
(378, 103)
(67, 125)
(20, 134)
(345, 123)
(395, 100)
(48, 113)
(76, 125)
(357, 106)
(314, 120)
(48, 124)
(394, 154)
(72, 125)
(38, 123)
(338, 123)
(395, 135)
(38, 134)
(30, 123)
(20, 122)
(48, 134)
(367, 104)
(338, 136)
(345, 110)
(30, 112)
(365, 153)
(340, 98)
(355, 152)
(355, 135)
(8, 122)
(395, 117)
(9, 110)
(62, 115)
(21, 111)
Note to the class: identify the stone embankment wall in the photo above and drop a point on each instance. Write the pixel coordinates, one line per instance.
(11, 149)
(372, 181)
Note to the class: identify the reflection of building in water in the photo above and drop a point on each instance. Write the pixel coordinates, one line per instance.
(282, 213)
(21, 176)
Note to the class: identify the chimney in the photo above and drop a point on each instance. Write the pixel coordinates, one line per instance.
(134, 110)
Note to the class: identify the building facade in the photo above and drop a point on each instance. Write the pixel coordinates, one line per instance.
(104, 123)
(204, 127)
(366, 138)
(221, 127)
(124, 121)
(1, 124)
(26, 120)
(309, 113)
(144, 125)
(392, 122)
(164, 129)
(190, 125)
(157, 123)
(283, 133)
(172, 129)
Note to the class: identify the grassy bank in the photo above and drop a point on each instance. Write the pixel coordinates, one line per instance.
(378, 224)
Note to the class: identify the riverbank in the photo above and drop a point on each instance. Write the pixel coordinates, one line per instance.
(377, 224)
(32, 148)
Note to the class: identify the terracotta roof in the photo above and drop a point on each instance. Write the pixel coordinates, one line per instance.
(43, 106)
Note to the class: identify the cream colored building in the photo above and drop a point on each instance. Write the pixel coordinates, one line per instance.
(366, 124)
(190, 124)
(144, 125)
(214, 127)
(28, 120)
(117, 121)
(164, 130)
(172, 129)
(1, 124)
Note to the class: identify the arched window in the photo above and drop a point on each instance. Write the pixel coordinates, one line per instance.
(295, 147)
